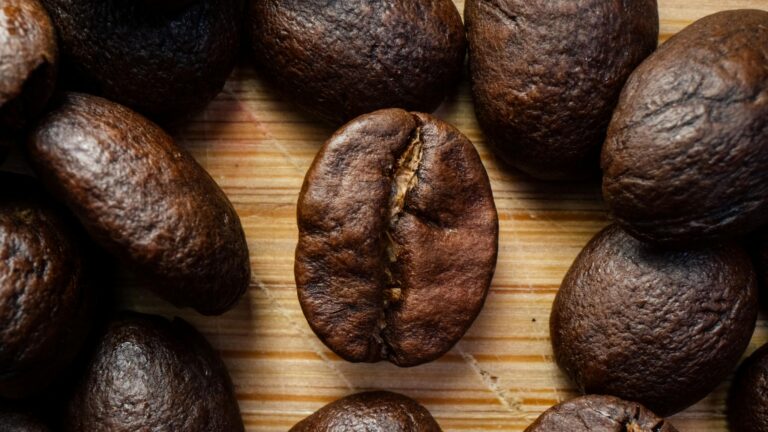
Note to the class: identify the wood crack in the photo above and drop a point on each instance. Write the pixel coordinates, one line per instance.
(509, 403)
(317, 348)
(270, 138)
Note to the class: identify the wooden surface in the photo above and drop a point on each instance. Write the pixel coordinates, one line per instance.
(499, 377)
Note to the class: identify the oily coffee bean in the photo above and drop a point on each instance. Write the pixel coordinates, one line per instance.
(398, 235)
(29, 57)
(166, 60)
(748, 398)
(546, 76)
(370, 412)
(686, 158)
(346, 58)
(150, 374)
(145, 200)
(659, 327)
(46, 298)
(596, 413)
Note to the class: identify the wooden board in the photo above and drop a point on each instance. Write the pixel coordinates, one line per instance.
(499, 377)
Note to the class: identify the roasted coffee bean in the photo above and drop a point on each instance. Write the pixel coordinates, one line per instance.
(164, 65)
(346, 58)
(370, 412)
(748, 398)
(546, 76)
(145, 200)
(646, 324)
(595, 413)
(686, 159)
(150, 374)
(398, 235)
(29, 58)
(46, 301)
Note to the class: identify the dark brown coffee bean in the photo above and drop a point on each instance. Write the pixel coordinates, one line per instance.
(370, 412)
(164, 65)
(595, 413)
(686, 159)
(748, 398)
(28, 56)
(659, 327)
(150, 374)
(20, 422)
(145, 200)
(46, 303)
(346, 58)
(398, 235)
(546, 76)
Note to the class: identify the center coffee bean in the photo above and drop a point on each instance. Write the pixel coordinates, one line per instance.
(398, 235)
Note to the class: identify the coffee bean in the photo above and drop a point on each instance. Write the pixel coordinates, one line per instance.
(29, 59)
(370, 412)
(686, 158)
(595, 413)
(659, 327)
(150, 374)
(46, 298)
(164, 58)
(398, 235)
(748, 398)
(346, 58)
(144, 199)
(546, 76)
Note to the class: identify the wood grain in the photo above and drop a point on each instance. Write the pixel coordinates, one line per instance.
(499, 377)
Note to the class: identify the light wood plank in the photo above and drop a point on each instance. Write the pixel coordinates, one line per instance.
(499, 377)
